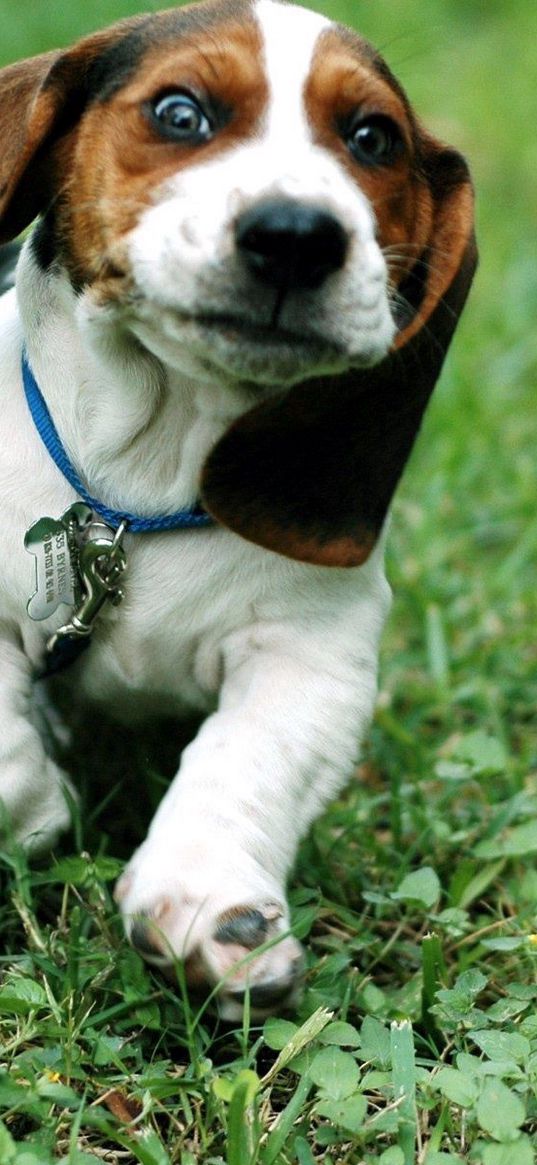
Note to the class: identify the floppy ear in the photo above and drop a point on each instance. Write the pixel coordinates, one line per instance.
(26, 117)
(311, 474)
(41, 100)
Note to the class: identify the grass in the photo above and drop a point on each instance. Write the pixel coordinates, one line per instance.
(416, 893)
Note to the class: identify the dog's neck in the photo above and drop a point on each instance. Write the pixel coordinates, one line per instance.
(137, 432)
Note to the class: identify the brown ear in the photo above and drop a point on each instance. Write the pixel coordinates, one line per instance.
(26, 116)
(311, 474)
(41, 100)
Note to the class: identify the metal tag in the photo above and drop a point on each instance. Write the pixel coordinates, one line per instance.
(55, 544)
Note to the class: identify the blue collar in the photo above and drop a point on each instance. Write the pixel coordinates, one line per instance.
(182, 520)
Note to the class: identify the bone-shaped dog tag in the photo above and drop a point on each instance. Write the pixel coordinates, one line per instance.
(54, 542)
(101, 562)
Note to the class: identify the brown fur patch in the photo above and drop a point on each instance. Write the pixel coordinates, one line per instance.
(422, 200)
(346, 77)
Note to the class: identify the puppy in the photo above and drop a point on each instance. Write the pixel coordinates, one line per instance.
(248, 263)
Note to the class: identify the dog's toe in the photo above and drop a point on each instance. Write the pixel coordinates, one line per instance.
(146, 940)
(252, 955)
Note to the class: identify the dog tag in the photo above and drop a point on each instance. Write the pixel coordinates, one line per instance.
(101, 563)
(55, 544)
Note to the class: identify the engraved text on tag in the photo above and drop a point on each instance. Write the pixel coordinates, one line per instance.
(53, 542)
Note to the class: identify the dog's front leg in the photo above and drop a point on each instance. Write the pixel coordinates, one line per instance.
(208, 884)
(33, 806)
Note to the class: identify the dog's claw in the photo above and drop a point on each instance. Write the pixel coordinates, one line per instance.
(146, 934)
(244, 925)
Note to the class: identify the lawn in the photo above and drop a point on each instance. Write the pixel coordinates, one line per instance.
(416, 894)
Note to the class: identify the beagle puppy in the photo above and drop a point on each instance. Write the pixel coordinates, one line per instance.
(247, 265)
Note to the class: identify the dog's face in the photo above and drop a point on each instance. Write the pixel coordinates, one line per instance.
(242, 185)
(207, 132)
(273, 163)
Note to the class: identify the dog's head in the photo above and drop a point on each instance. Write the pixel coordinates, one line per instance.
(242, 185)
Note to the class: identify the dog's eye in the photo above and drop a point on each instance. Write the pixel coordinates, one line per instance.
(375, 141)
(182, 118)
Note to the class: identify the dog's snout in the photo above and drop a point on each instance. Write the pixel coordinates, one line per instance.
(291, 245)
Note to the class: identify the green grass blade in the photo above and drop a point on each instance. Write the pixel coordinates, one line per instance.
(308, 1032)
(404, 1087)
(241, 1149)
(285, 1122)
(434, 977)
(437, 648)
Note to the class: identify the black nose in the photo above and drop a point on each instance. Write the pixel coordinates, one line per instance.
(289, 244)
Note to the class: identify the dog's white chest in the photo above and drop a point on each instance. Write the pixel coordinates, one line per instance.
(185, 595)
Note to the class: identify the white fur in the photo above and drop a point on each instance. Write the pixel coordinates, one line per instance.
(282, 656)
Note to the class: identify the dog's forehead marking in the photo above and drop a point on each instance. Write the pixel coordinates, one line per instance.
(290, 39)
(211, 41)
(301, 47)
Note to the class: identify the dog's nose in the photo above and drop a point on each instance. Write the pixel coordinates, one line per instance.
(289, 244)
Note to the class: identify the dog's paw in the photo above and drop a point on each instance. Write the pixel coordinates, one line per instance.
(35, 807)
(239, 950)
